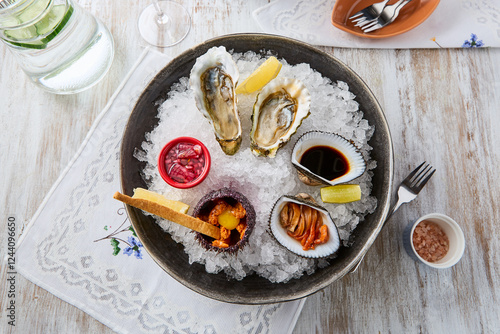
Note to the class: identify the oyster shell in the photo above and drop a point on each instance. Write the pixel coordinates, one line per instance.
(213, 80)
(278, 111)
(280, 233)
(232, 197)
(355, 164)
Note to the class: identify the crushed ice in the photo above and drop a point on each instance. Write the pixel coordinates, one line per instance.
(261, 180)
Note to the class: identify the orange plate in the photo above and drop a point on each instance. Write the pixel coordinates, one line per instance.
(410, 16)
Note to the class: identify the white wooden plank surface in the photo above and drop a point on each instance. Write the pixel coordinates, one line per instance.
(442, 106)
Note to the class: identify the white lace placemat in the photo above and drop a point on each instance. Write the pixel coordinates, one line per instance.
(454, 24)
(79, 247)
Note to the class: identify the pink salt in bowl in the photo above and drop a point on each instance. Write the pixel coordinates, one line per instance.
(184, 162)
(417, 243)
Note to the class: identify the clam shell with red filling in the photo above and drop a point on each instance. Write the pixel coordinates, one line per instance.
(280, 233)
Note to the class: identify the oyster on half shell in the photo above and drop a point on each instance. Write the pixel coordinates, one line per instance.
(213, 81)
(281, 233)
(278, 111)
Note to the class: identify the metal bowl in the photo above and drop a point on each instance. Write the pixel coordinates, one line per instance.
(254, 289)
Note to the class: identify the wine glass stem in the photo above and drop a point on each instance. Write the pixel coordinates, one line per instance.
(161, 18)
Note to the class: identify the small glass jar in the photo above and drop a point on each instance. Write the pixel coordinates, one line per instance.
(60, 46)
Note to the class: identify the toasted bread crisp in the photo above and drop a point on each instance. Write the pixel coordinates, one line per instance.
(180, 218)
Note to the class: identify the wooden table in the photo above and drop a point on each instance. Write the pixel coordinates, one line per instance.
(442, 106)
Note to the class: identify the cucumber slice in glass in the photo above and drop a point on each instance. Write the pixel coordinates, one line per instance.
(48, 27)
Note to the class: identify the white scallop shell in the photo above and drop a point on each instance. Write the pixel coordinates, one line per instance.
(357, 164)
(279, 233)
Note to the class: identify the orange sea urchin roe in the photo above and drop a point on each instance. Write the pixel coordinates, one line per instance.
(304, 224)
(430, 242)
(228, 218)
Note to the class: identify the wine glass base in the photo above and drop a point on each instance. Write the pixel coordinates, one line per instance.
(164, 31)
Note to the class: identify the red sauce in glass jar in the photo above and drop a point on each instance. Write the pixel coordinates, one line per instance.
(185, 162)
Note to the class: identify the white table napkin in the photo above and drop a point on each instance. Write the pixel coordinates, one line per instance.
(454, 24)
(67, 248)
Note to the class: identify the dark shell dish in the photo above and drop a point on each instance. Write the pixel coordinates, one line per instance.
(232, 198)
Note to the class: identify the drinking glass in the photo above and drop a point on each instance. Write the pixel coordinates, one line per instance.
(164, 23)
(61, 47)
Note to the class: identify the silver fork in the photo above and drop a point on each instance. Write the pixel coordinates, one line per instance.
(412, 184)
(368, 13)
(408, 191)
(388, 15)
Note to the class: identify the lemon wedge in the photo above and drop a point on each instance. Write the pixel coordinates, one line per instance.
(341, 193)
(140, 193)
(260, 77)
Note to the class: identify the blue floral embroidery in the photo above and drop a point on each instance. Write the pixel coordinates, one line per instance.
(134, 247)
(473, 42)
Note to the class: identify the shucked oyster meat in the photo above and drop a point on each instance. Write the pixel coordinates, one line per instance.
(213, 80)
(278, 111)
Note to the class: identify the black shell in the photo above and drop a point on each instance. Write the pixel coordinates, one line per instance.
(231, 196)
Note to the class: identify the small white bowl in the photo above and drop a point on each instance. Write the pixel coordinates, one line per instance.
(450, 228)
